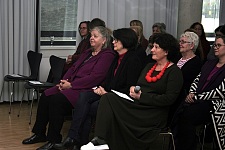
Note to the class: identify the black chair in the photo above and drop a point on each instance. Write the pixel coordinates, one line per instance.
(168, 139)
(55, 72)
(207, 135)
(34, 60)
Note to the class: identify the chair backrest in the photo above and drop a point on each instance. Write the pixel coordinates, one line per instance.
(34, 59)
(57, 65)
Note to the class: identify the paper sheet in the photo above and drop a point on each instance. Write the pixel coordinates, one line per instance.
(122, 95)
(15, 75)
(35, 82)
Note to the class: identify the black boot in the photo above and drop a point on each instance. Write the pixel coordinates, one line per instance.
(68, 143)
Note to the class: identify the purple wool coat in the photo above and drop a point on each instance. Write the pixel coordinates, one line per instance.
(83, 76)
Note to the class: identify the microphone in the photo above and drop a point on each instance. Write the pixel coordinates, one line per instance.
(137, 89)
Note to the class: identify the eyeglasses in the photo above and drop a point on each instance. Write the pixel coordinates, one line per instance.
(217, 46)
(218, 35)
(114, 39)
(183, 42)
(82, 28)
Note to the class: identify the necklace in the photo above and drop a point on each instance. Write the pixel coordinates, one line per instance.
(157, 77)
(95, 52)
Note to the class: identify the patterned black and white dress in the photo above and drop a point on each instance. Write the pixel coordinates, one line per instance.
(215, 92)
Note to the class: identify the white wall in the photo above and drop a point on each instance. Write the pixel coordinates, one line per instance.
(189, 12)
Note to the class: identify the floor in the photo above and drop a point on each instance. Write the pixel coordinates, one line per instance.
(14, 129)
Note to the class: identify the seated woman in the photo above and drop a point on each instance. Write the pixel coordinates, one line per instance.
(123, 124)
(190, 65)
(84, 31)
(198, 27)
(143, 40)
(140, 50)
(122, 74)
(207, 92)
(219, 31)
(88, 71)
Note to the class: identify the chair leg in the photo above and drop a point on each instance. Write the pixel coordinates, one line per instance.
(31, 105)
(2, 89)
(21, 102)
(171, 140)
(11, 97)
(203, 138)
(28, 96)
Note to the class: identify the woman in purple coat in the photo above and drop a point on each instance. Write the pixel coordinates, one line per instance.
(87, 72)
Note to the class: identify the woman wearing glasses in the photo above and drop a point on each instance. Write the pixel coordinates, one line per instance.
(123, 73)
(219, 31)
(126, 125)
(206, 94)
(88, 71)
(84, 32)
(190, 65)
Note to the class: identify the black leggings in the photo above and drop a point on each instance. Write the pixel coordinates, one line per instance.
(51, 110)
(186, 120)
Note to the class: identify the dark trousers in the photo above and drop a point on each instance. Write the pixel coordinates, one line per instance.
(187, 119)
(83, 113)
(51, 110)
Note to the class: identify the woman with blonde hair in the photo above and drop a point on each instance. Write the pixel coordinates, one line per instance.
(140, 50)
(143, 40)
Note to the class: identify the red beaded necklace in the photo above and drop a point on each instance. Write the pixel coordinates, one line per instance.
(157, 77)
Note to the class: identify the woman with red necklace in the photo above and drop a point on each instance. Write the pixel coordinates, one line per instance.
(122, 124)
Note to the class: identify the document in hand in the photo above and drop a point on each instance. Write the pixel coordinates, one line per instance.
(122, 95)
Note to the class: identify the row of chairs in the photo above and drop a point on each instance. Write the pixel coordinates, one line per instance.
(31, 82)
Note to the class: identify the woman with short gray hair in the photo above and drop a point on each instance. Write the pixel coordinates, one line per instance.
(190, 64)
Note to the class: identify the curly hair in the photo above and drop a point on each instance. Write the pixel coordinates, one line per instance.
(168, 43)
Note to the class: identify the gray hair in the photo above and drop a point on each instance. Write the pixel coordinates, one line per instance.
(161, 26)
(105, 32)
(192, 37)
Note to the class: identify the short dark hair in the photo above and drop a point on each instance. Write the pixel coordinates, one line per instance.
(87, 23)
(220, 29)
(168, 43)
(127, 37)
(222, 37)
(97, 22)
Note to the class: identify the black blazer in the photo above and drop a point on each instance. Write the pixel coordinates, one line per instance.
(126, 75)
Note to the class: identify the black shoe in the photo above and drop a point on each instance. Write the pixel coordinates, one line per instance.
(76, 147)
(47, 146)
(98, 141)
(68, 143)
(34, 139)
